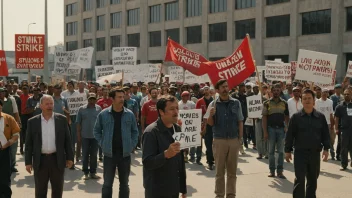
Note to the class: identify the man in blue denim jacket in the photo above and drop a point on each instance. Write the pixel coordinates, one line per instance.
(117, 133)
(225, 116)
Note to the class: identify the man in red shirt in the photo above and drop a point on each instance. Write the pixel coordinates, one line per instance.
(105, 101)
(24, 115)
(149, 111)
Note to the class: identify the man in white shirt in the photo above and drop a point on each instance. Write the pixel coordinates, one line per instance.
(295, 103)
(325, 106)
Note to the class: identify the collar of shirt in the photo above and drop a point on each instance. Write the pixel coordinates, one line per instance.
(314, 112)
(43, 119)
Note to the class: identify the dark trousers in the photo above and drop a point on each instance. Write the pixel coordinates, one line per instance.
(173, 196)
(248, 134)
(5, 173)
(100, 152)
(123, 165)
(90, 151)
(338, 147)
(24, 119)
(208, 140)
(307, 165)
(346, 146)
(49, 171)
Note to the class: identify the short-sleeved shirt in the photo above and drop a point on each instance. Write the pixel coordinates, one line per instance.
(86, 117)
(34, 103)
(294, 106)
(104, 103)
(186, 106)
(325, 107)
(341, 112)
(150, 112)
(276, 112)
(10, 125)
(24, 99)
(132, 105)
(59, 103)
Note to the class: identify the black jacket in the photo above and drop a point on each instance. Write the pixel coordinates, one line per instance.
(161, 176)
(308, 132)
(33, 149)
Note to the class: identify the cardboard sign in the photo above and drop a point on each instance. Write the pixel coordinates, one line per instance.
(249, 122)
(154, 73)
(73, 70)
(191, 128)
(349, 70)
(261, 70)
(254, 106)
(124, 56)
(275, 71)
(84, 58)
(75, 102)
(135, 73)
(288, 72)
(109, 78)
(78, 58)
(315, 66)
(176, 74)
(191, 78)
(104, 70)
(29, 51)
(329, 86)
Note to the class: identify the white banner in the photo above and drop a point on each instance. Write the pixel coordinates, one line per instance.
(191, 128)
(109, 78)
(73, 70)
(124, 56)
(135, 73)
(329, 86)
(78, 58)
(275, 71)
(254, 106)
(176, 74)
(315, 66)
(191, 78)
(75, 102)
(154, 73)
(84, 59)
(349, 69)
(104, 70)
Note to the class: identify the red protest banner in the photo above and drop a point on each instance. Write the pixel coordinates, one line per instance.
(235, 68)
(185, 58)
(3, 65)
(29, 51)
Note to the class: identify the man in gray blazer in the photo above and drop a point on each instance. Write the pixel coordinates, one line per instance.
(48, 149)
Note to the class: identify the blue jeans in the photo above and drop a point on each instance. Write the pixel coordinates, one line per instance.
(89, 152)
(13, 149)
(276, 138)
(123, 165)
(193, 151)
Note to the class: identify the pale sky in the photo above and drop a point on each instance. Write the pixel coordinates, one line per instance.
(19, 13)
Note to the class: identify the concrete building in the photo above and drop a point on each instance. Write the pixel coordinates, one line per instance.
(214, 28)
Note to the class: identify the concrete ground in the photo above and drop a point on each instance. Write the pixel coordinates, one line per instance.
(252, 180)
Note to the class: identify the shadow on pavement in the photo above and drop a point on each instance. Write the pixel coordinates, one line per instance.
(190, 191)
(331, 175)
(27, 182)
(282, 185)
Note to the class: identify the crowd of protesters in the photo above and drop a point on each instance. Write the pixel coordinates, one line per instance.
(122, 118)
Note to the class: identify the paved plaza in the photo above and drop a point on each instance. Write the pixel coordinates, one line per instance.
(252, 180)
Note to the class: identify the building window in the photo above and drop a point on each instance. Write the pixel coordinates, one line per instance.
(100, 23)
(218, 32)
(216, 58)
(87, 43)
(71, 45)
(349, 19)
(100, 3)
(87, 25)
(154, 13)
(115, 41)
(245, 27)
(217, 6)
(133, 17)
(87, 5)
(155, 39)
(171, 11)
(174, 34)
(71, 9)
(155, 61)
(284, 58)
(242, 4)
(278, 26)
(194, 34)
(271, 2)
(101, 44)
(98, 63)
(194, 8)
(115, 1)
(133, 40)
(71, 28)
(317, 22)
(115, 20)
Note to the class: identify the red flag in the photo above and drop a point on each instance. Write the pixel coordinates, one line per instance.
(185, 58)
(235, 68)
(3, 65)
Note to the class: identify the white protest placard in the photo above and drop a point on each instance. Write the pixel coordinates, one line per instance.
(104, 70)
(191, 128)
(329, 86)
(81, 58)
(260, 70)
(124, 56)
(275, 71)
(154, 73)
(135, 73)
(205, 78)
(249, 122)
(293, 67)
(191, 78)
(349, 70)
(84, 59)
(288, 72)
(75, 102)
(176, 74)
(315, 66)
(254, 106)
(109, 78)
(73, 70)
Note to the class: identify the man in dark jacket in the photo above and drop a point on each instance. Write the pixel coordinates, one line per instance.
(164, 172)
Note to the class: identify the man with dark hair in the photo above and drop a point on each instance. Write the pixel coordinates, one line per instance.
(149, 112)
(308, 133)
(117, 133)
(25, 115)
(275, 121)
(226, 119)
(164, 172)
